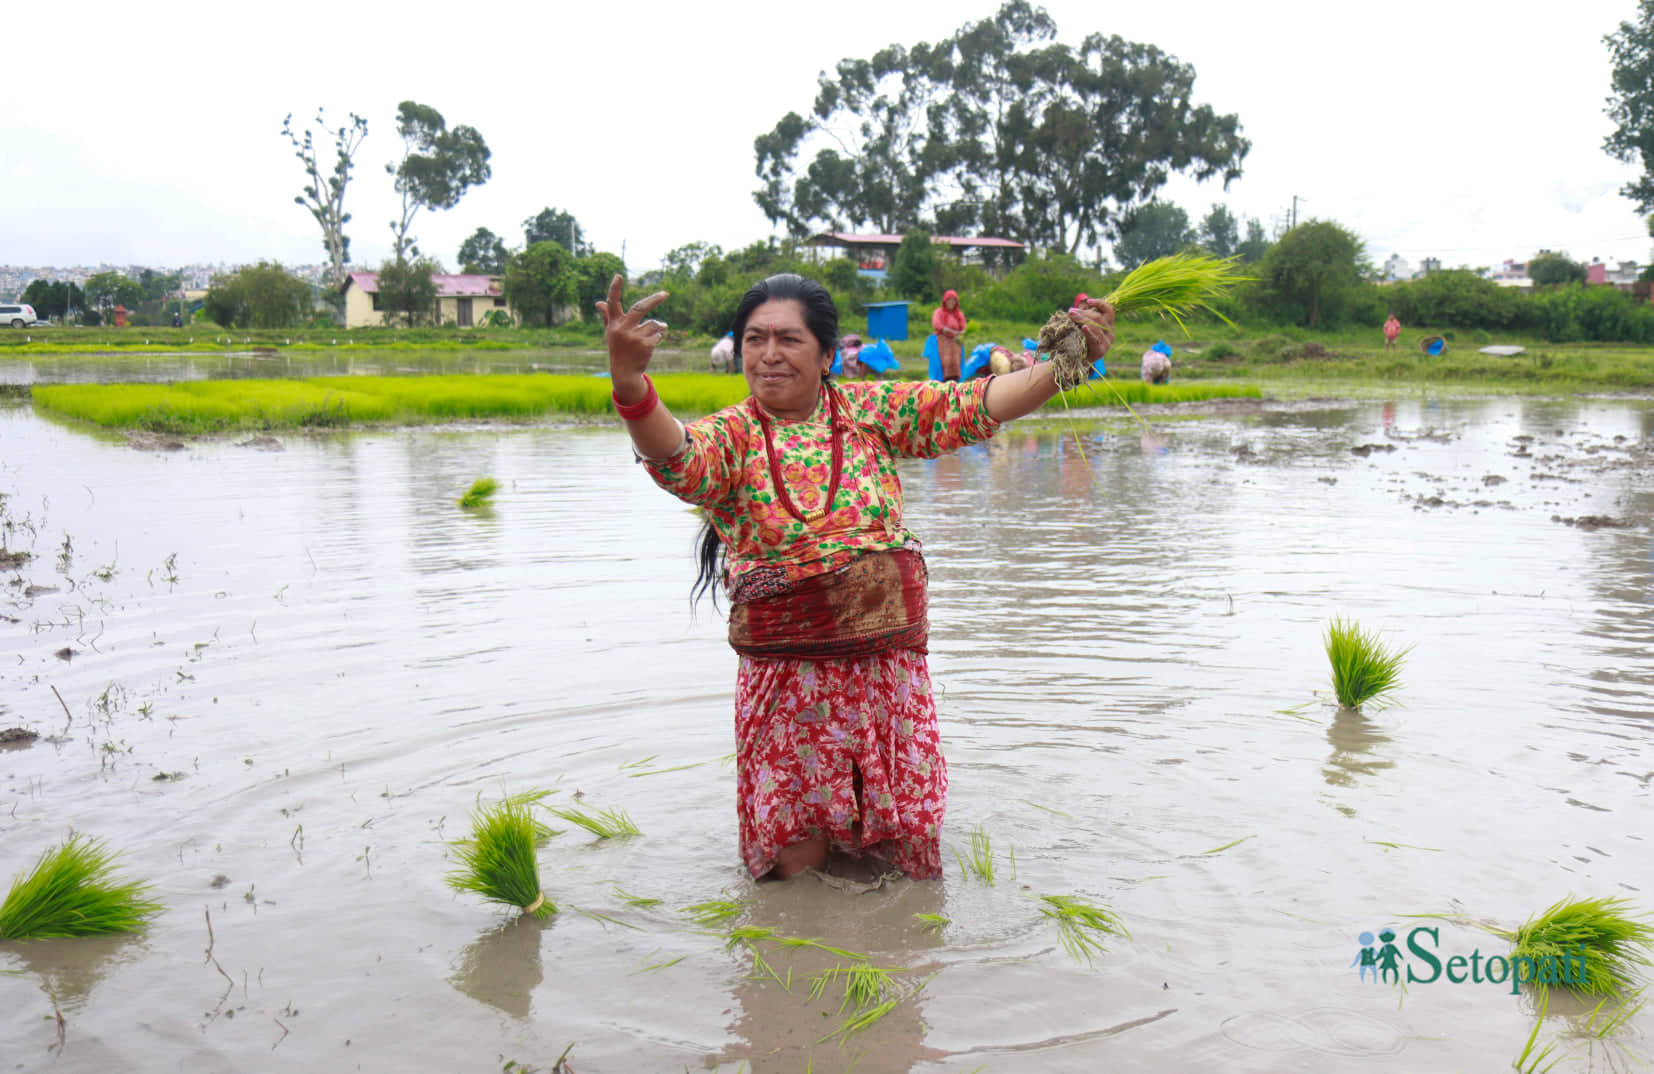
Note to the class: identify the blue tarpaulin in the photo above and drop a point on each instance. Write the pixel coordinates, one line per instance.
(878, 357)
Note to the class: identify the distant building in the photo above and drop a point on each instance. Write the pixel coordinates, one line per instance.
(875, 254)
(460, 300)
(1622, 274)
(1430, 264)
(1396, 267)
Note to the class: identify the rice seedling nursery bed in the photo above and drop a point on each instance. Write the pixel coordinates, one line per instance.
(232, 406)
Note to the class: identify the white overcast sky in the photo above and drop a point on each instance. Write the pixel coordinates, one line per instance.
(151, 135)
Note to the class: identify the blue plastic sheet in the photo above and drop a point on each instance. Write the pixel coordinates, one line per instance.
(878, 357)
(976, 361)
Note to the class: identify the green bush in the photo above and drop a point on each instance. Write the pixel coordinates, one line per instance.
(1481, 337)
(1270, 346)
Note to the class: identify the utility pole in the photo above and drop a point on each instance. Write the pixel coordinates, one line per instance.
(1295, 200)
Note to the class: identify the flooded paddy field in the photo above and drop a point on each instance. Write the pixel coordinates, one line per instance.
(288, 669)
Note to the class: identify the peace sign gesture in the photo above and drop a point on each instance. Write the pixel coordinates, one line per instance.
(630, 337)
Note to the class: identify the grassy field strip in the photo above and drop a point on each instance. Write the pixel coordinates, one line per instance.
(215, 406)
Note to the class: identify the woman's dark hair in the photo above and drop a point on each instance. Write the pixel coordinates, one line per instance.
(820, 314)
(821, 318)
(709, 553)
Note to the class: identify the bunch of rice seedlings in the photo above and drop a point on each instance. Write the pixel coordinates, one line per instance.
(1174, 287)
(542, 830)
(636, 902)
(1177, 286)
(1598, 947)
(498, 862)
(481, 491)
(609, 824)
(865, 984)
(1363, 669)
(981, 860)
(1082, 924)
(714, 912)
(934, 922)
(72, 891)
(870, 993)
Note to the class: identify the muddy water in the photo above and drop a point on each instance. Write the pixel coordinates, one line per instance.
(290, 673)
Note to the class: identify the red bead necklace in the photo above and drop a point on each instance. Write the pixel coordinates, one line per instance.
(775, 460)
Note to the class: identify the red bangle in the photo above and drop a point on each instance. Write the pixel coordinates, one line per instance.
(642, 408)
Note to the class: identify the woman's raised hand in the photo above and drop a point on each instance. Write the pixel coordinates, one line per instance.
(1096, 320)
(630, 335)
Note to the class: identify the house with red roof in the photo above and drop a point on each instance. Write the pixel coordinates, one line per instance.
(461, 301)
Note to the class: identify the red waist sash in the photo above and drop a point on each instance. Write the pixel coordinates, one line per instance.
(874, 604)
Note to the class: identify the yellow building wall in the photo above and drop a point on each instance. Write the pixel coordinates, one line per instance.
(447, 308)
(359, 311)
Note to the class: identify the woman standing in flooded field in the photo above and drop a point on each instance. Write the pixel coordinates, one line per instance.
(836, 737)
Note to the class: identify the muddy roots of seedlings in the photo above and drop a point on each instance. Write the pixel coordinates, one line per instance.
(1062, 339)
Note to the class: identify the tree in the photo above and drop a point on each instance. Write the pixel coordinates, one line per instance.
(106, 290)
(159, 285)
(406, 288)
(1255, 245)
(1157, 229)
(1549, 269)
(541, 283)
(555, 225)
(484, 252)
(259, 296)
(1313, 266)
(53, 298)
(1219, 232)
(1631, 106)
(595, 272)
(438, 166)
(998, 127)
(325, 198)
(1119, 122)
(687, 260)
(913, 273)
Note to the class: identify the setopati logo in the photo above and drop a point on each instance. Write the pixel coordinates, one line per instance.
(1386, 962)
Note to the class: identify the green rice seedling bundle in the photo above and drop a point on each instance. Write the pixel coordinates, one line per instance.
(1597, 947)
(1363, 669)
(1174, 287)
(608, 824)
(72, 891)
(498, 860)
(980, 861)
(1082, 925)
(481, 491)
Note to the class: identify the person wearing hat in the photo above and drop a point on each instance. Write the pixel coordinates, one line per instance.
(1157, 363)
